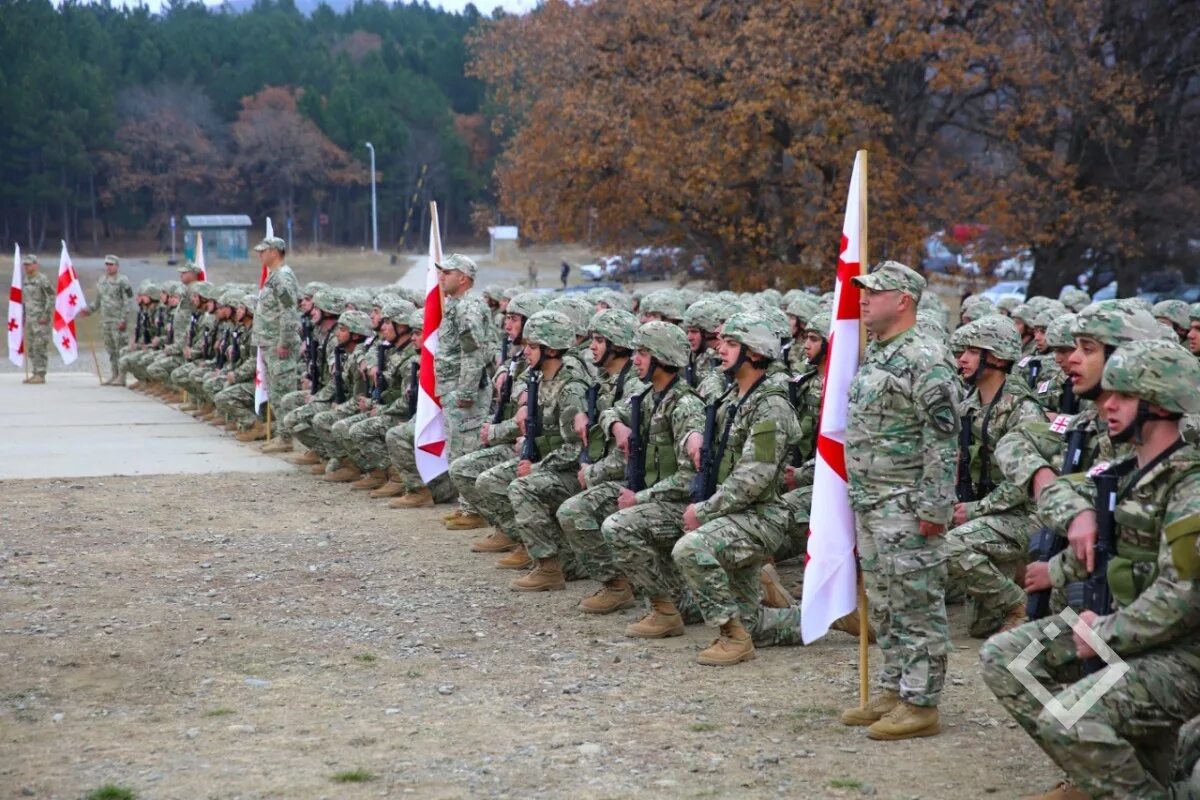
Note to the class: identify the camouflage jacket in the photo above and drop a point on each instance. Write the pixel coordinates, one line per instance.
(1158, 525)
(1012, 408)
(507, 431)
(752, 461)
(277, 316)
(247, 358)
(465, 346)
(181, 322)
(795, 358)
(702, 366)
(902, 427)
(355, 376)
(1041, 373)
(399, 376)
(805, 392)
(114, 298)
(559, 399)
(713, 385)
(37, 295)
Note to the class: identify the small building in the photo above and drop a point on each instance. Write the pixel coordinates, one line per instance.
(226, 236)
(505, 242)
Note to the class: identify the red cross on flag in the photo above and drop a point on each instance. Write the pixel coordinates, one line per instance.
(16, 314)
(432, 455)
(68, 303)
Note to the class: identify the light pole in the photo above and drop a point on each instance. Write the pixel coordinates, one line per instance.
(374, 216)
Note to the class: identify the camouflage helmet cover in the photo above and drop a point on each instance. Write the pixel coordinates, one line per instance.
(706, 314)
(752, 330)
(1114, 322)
(1157, 371)
(995, 333)
(1176, 311)
(358, 322)
(526, 304)
(1058, 332)
(665, 302)
(820, 323)
(615, 325)
(665, 341)
(550, 329)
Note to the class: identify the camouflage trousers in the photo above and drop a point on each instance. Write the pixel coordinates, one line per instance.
(281, 407)
(298, 423)
(283, 376)
(333, 429)
(465, 470)
(114, 340)
(1185, 777)
(136, 361)
(463, 427)
(639, 540)
(981, 555)
(162, 366)
(401, 453)
(795, 537)
(720, 562)
(37, 345)
(535, 500)
(236, 403)
(1117, 748)
(580, 518)
(365, 442)
(905, 576)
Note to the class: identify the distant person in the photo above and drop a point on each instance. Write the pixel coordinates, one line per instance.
(114, 301)
(37, 294)
(276, 326)
(532, 274)
(565, 273)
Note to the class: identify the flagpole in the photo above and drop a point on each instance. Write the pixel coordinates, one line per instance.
(864, 608)
(96, 360)
(268, 420)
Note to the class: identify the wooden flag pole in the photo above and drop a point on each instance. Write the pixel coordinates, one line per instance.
(96, 360)
(864, 625)
(268, 420)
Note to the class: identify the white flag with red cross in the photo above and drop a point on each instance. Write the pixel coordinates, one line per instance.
(831, 573)
(199, 262)
(261, 395)
(16, 313)
(432, 453)
(68, 303)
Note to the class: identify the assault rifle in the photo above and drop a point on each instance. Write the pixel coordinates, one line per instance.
(339, 384)
(593, 415)
(533, 419)
(1093, 593)
(413, 385)
(635, 461)
(380, 380)
(964, 490)
(1045, 544)
(704, 484)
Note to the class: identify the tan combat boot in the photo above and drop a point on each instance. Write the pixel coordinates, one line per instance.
(450, 515)
(517, 559)
(547, 576)
(280, 444)
(494, 542)
(417, 498)
(253, 433)
(319, 469)
(1064, 791)
(372, 480)
(906, 721)
(879, 705)
(231, 426)
(774, 595)
(394, 486)
(466, 522)
(1015, 618)
(305, 459)
(850, 624)
(613, 596)
(37, 379)
(733, 646)
(347, 472)
(663, 620)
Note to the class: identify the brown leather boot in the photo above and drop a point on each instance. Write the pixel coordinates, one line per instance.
(280, 444)
(372, 480)
(231, 426)
(450, 515)
(547, 576)
(494, 542)
(774, 595)
(253, 433)
(1064, 791)
(418, 498)
(346, 473)
(1014, 618)
(663, 620)
(733, 646)
(37, 379)
(466, 522)
(613, 596)
(906, 721)
(850, 624)
(517, 559)
(879, 705)
(317, 469)
(305, 459)
(393, 488)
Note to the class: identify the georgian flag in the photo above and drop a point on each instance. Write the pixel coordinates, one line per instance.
(432, 455)
(199, 262)
(260, 364)
(68, 302)
(831, 575)
(16, 313)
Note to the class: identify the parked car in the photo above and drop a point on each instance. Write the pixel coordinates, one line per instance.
(1016, 289)
(937, 256)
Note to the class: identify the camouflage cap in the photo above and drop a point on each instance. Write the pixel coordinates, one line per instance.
(1074, 299)
(705, 315)
(665, 302)
(1177, 312)
(1157, 371)
(552, 329)
(615, 325)
(892, 275)
(458, 263)
(753, 331)
(312, 287)
(1113, 323)
(271, 243)
(416, 320)
(526, 304)
(577, 309)
(111, 259)
(231, 297)
(397, 310)
(665, 341)
(819, 323)
(802, 306)
(1058, 332)
(996, 333)
(356, 322)
(29, 259)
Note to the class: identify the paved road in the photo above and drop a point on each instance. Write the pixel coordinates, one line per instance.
(72, 427)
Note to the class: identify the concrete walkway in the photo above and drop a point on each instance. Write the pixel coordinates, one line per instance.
(72, 427)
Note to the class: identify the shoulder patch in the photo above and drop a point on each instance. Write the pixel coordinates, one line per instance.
(1181, 536)
(938, 400)
(1098, 468)
(763, 436)
(1024, 361)
(1061, 423)
(1043, 387)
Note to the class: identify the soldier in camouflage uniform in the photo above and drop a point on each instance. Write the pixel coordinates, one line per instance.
(993, 520)
(1074, 299)
(1154, 579)
(1193, 335)
(170, 356)
(730, 533)
(901, 438)
(277, 323)
(314, 430)
(800, 309)
(235, 401)
(37, 297)
(1038, 369)
(114, 302)
(701, 322)
(327, 305)
(141, 353)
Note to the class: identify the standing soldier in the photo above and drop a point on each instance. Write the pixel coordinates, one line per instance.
(38, 297)
(114, 299)
(901, 438)
(277, 320)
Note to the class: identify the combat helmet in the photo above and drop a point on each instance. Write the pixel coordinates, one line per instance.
(1113, 323)
(616, 326)
(752, 331)
(1157, 372)
(552, 329)
(996, 334)
(358, 322)
(664, 341)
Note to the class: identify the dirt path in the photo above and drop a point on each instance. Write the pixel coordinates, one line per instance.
(252, 636)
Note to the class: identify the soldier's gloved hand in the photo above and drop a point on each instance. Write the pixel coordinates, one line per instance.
(626, 498)
(694, 444)
(690, 521)
(1082, 647)
(580, 423)
(524, 468)
(1037, 576)
(1081, 534)
(931, 529)
(620, 434)
(581, 476)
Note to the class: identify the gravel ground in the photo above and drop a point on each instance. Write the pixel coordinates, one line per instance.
(246, 636)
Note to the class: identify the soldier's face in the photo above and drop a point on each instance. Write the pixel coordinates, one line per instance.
(450, 280)
(1021, 328)
(418, 340)
(376, 318)
(968, 361)
(1193, 338)
(1120, 410)
(795, 323)
(110, 269)
(240, 314)
(533, 355)
(1085, 365)
(187, 278)
(305, 305)
(641, 362)
(513, 323)
(812, 345)
(880, 310)
(30, 269)
(598, 345)
(224, 312)
(695, 338)
(1061, 354)
(728, 350)
(1039, 336)
(342, 333)
(173, 301)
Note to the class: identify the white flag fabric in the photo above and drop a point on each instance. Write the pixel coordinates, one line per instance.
(16, 313)
(432, 453)
(68, 303)
(830, 573)
(261, 395)
(199, 262)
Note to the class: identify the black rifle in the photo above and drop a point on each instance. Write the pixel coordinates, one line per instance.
(206, 344)
(160, 321)
(222, 354)
(339, 384)
(191, 333)
(704, 484)
(533, 419)
(171, 330)
(380, 379)
(139, 325)
(593, 415)
(1093, 593)
(414, 383)
(964, 489)
(147, 334)
(235, 348)
(504, 350)
(1035, 369)
(635, 461)
(306, 335)
(1069, 404)
(505, 395)
(689, 373)
(1045, 544)
(985, 485)
(795, 385)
